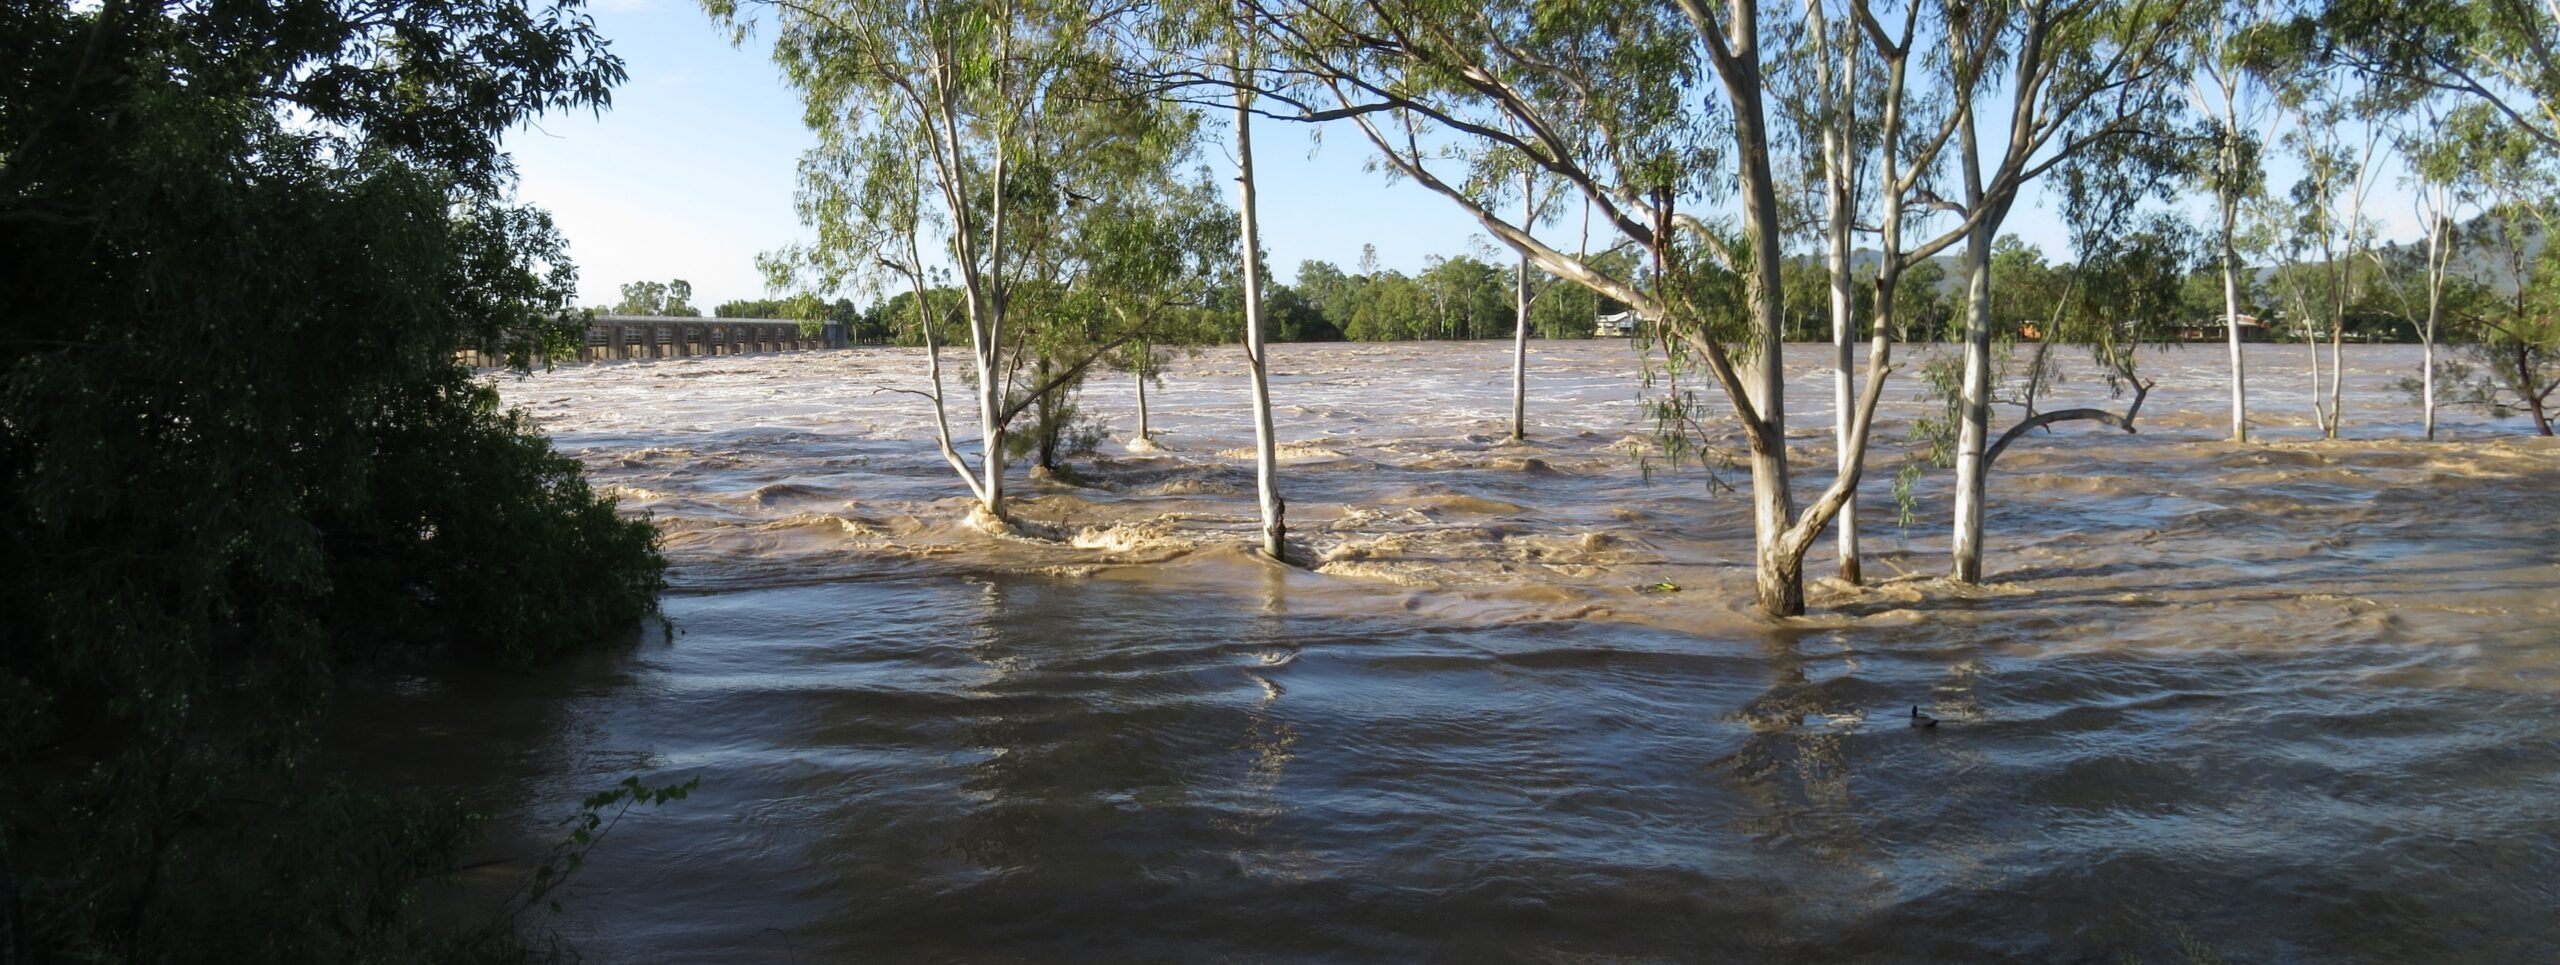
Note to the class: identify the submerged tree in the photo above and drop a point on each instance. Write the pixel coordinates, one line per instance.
(2089, 83)
(1157, 260)
(2222, 88)
(2513, 336)
(966, 133)
(2435, 164)
(1598, 97)
(2324, 232)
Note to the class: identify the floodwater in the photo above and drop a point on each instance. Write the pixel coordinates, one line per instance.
(2294, 700)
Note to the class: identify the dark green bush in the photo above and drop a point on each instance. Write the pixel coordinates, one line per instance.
(241, 244)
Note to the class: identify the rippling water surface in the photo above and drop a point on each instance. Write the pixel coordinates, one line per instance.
(2294, 700)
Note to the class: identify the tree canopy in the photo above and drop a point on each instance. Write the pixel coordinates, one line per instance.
(243, 243)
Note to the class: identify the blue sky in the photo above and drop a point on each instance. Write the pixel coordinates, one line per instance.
(691, 173)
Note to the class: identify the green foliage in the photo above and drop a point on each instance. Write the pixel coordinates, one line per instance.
(596, 817)
(671, 299)
(996, 139)
(1457, 297)
(243, 244)
(2510, 345)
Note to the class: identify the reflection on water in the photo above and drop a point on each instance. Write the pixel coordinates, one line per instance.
(2298, 700)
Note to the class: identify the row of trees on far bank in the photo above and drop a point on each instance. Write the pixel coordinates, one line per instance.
(1029, 177)
(1465, 297)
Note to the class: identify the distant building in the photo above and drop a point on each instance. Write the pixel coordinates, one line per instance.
(1615, 324)
(2252, 329)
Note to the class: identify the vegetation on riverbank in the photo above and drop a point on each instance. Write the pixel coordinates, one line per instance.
(243, 243)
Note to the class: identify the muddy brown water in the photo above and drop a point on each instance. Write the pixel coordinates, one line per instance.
(2295, 700)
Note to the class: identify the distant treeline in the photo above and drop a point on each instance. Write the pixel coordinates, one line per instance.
(1469, 297)
(1459, 297)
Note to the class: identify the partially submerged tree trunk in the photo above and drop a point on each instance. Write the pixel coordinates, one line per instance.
(2226, 195)
(1141, 377)
(1405, 72)
(2216, 86)
(2231, 327)
(1838, 98)
(1266, 475)
(2439, 255)
(1974, 407)
(1520, 320)
(2114, 75)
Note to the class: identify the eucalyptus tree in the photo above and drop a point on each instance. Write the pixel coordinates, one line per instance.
(1203, 55)
(961, 135)
(2513, 339)
(2222, 88)
(1905, 130)
(1530, 214)
(1827, 116)
(1155, 256)
(2324, 232)
(2435, 161)
(2501, 54)
(2088, 83)
(1242, 63)
(2499, 60)
(1602, 97)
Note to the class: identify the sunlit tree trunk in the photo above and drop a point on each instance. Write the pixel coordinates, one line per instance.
(1141, 377)
(1839, 194)
(1974, 406)
(2439, 254)
(1520, 308)
(1265, 450)
(1780, 573)
(2226, 194)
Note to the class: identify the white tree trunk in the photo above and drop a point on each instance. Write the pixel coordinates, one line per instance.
(1780, 572)
(1266, 475)
(2319, 410)
(2438, 255)
(2337, 363)
(990, 431)
(1520, 309)
(1843, 339)
(1974, 406)
(2231, 303)
(1520, 355)
(1143, 434)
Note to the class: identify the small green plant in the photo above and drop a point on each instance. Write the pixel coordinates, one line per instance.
(596, 817)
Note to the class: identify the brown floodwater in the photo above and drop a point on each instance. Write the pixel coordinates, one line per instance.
(2295, 700)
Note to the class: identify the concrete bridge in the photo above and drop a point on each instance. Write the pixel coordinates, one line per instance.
(660, 337)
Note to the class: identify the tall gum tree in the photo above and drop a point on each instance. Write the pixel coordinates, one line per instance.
(1201, 53)
(1602, 97)
(2075, 75)
(1257, 342)
(2220, 86)
(2337, 143)
(951, 135)
(2513, 338)
(1861, 108)
(2435, 162)
(1826, 116)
